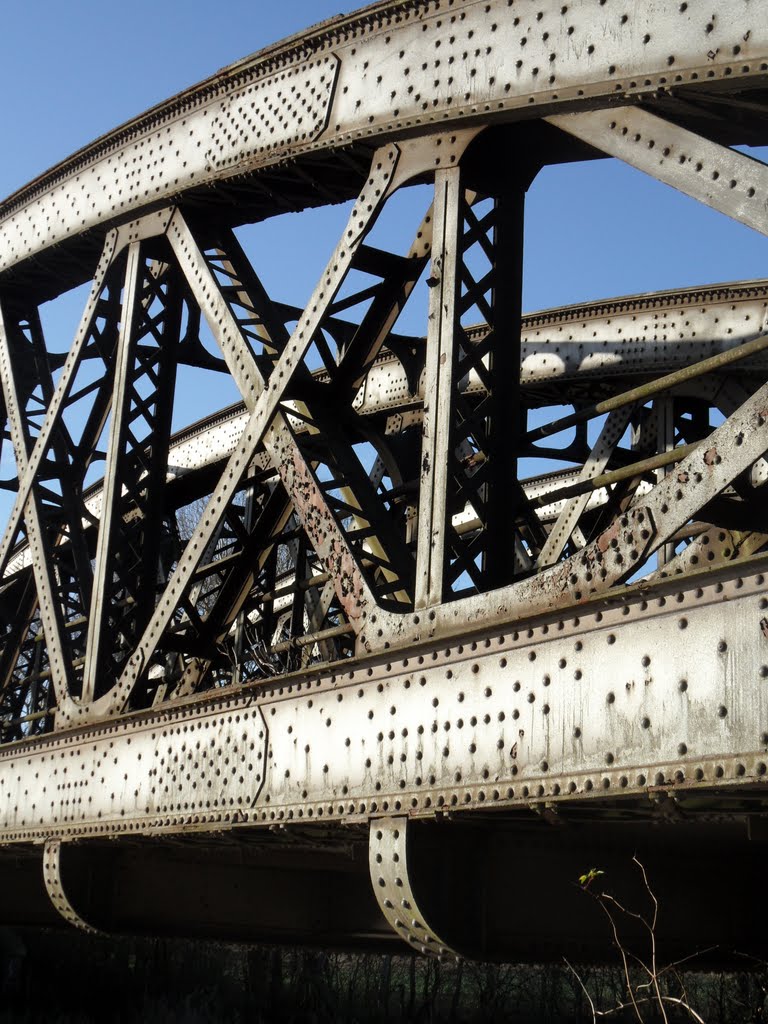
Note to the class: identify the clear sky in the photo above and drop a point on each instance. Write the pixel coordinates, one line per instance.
(73, 69)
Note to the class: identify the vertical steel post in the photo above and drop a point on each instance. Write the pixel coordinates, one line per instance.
(507, 413)
(438, 388)
(110, 506)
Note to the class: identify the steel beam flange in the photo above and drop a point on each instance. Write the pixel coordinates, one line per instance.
(55, 888)
(388, 862)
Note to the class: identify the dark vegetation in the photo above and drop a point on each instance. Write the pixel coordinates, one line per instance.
(68, 978)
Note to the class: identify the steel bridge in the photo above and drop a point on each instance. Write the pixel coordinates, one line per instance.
(434, 620)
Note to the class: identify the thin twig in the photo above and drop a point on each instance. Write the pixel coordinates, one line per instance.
(604, 896)
(685, 959)
(617, 943)
(611, 907)
(647, 999)
(686, 1006)
(577, 976)
(652, 931)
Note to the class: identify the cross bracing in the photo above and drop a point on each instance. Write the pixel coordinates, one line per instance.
(349, 589)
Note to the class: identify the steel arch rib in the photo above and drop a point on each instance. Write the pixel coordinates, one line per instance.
(348, 78)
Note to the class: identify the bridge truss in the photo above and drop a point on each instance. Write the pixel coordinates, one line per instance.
(452, 608)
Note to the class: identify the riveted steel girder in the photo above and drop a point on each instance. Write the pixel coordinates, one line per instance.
(375, 76)
(344, 604)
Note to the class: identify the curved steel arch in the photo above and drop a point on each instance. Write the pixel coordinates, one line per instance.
(380, 497)
(391, 70)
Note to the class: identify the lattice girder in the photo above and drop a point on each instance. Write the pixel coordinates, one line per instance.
(354, 579)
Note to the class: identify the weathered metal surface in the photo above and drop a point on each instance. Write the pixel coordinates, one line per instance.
(438, 388)
(610, 435)
(677, 329)
(661, 688)
(372, 616)
(389, 866)
(370, 76)
(55, 887)
(715, 175)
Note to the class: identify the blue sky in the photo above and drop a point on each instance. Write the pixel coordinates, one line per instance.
(73, 69)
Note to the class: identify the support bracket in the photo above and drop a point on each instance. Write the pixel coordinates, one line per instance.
(390, 875)
(55, 888)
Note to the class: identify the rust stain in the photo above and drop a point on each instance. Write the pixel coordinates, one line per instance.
(475, 459)
(604, 540)
(323, 533)
(710, 457)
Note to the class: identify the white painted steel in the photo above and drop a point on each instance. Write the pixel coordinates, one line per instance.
(559, 687)
(619, 698)
(398, 67)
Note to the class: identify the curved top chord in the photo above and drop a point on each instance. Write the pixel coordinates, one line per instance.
(383, 74)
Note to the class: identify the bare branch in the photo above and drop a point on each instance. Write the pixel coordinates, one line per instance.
(684, 959)
(685, 1006)
(618, 943)
(577, 976)
(649, 991)
(652, 932)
